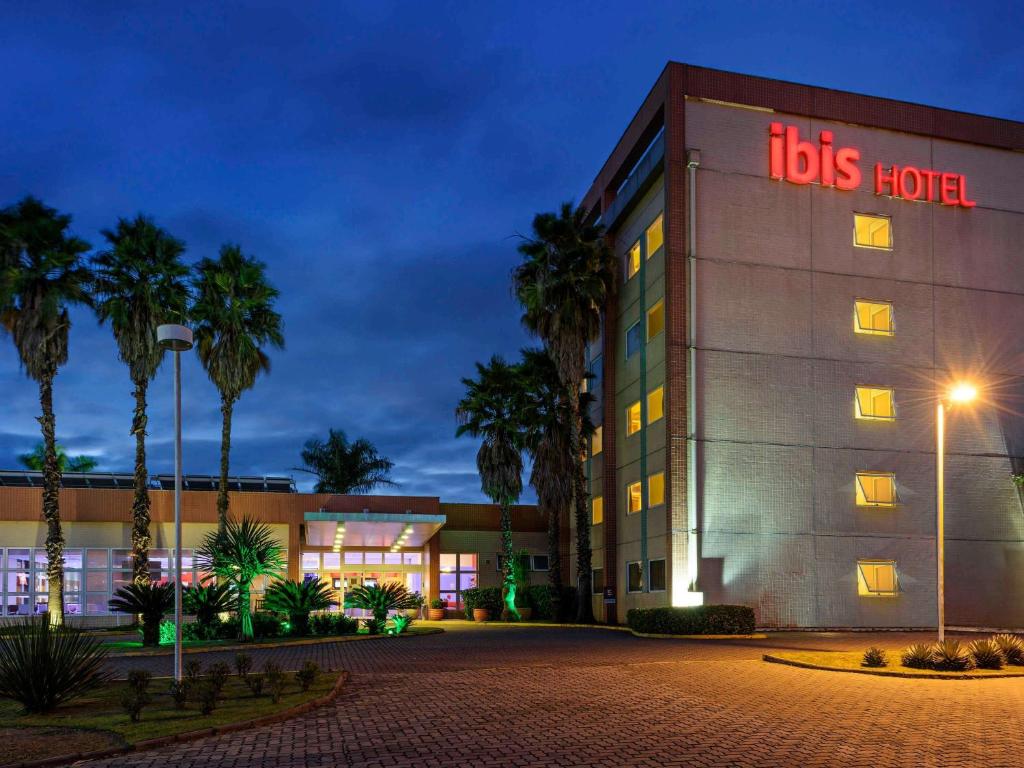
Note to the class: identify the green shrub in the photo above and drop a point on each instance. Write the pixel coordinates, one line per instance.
(193, 631)
(401, 622)
(698, 620)
(243, 664)
(986, 654)
(372, 626)
(1012, 648)
(276, 680)
(139, 680)
(483, 597)
(207, 696)
(333, 624)
(538, 597)
(264, 624)
(307, 675)
(179, 692)
(437, 603)
(42, 666)
(951, 656)
(298, 599)
(382, 599)
(151, 601)
(206, 602)
(218, 676)
(917, 656)
(193, 671)
(255, 681)
(133, 702)
(168, 633)
(874, 657)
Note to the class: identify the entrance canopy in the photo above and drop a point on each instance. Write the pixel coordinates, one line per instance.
(371, 529)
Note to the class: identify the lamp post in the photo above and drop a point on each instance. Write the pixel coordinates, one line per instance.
(178, 339)
(958, 394)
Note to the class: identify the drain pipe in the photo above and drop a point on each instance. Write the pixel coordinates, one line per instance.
(692, 550)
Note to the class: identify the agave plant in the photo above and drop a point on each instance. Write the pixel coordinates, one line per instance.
(987, 654)
(917, 656)
(150, 601)
(206, 602)
(1012, 648)
(298, 599)
(42, 666)
(380, 599)
(951, 656)
(874, 657)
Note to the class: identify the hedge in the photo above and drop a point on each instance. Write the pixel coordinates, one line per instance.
(698, 620)
(483, 597)
(538, 597)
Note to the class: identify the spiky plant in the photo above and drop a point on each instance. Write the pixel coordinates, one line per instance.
(207, 601)
(951, 656)
(42, 666)
(1012, 648)
(298, 599)
(917, 656)
(987, 654)
(875, 657)
(343, 467)
(150, 601)
(380, 599)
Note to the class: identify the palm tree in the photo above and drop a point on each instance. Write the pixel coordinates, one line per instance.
(381, 599)
(43, 275)
(140, 284)
(235, 319)
(238, 554)
(36, 459)
(206, 602)
(563, 282)
(150, 601)
(344, 467)
(298, 599)
(493, 409)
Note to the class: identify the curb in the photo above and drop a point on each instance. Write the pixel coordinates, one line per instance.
(616, 628)
(187, 736)
(755, 636)
(879, 673)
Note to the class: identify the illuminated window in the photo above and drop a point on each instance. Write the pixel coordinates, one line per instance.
(635, 494)
(656, 489)
(876, 489)
(873, 317)
(634, 339)
(633, 419)
(655, 320)
(656, 575)
(874, 403)
(634, 577)
(597, 510)
(655, 404)
(597, 441)
(633, 260)
(655, 235)
(877, 578)
(871, 231)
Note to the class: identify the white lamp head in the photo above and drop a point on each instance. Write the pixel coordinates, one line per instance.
(176, 338)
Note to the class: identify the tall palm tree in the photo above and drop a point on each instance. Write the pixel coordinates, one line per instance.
(43, 274)
(566, 275)
(493, 409)
(344, 467)
(140, 283)
(235, 319)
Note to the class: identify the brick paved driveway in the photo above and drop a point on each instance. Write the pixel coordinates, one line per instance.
(498, 696)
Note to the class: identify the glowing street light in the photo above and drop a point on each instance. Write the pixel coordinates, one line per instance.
(960, 393)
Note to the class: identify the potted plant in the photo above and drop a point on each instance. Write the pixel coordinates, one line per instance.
(415, 605)
(436, 610)
(481, 614)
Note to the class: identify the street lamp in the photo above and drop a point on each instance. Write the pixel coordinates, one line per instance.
(960, 393)
(178, 339)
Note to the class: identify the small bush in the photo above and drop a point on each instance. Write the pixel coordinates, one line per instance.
(372, 626)
(698, 620)
(218, 676)
(207, 695)
(986, 654)
(483, 597)
(326, 624)
(179, 692)
(951, 656)
(150, 601)
(133, 702)
(138, 680)
(538, 597)
(307, 675)
(243, 664)
(875, 657)
(276, 680)
(917, 656)
(401, 622)
(255, 681)
(193, 671)
(1012, 648)
(194, 630)
(437, 603)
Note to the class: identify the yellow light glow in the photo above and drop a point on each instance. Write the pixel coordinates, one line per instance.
(962, 392)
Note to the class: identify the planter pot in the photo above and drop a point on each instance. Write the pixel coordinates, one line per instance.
(481, 614)
(435, 614)
(526, 614)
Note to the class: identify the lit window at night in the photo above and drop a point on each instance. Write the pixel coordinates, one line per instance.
(873, 317)
(634, 339)
(597, 510)
(655, 320)
(633, 419)
(655, 235)
(877, 578)
(635, 497)
(656, 575)
(874, 404)
(872, 231)
(634, 577)
(597, 441)
(656, 489)
(633, 260)
(655, 404)
(876, 489)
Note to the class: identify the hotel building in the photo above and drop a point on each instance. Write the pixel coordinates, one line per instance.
(804, 272)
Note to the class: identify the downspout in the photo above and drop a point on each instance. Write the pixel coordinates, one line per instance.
(692, 430)
(644, 497)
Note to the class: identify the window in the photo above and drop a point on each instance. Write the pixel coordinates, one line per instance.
(656, 489)
(876, 489)
(872, 231)
(633, 423)
(597, 510)
(540, 563)
(656, 575)
(458, 573)
(635, 494)
(655, 404)
(634, 339)
(655, 320)
(597, 581)
(634, 577)
(655, 235)
(597, 440)
(874, 403)
(873, 317)
(633, 260)
(877, 578)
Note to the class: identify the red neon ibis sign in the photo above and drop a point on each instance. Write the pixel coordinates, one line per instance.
(799, 161)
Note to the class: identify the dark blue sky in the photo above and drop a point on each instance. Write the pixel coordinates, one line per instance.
(380, 158)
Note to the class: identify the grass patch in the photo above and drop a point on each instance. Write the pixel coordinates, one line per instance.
(98, 720)
(136, 646)
(852, 661)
